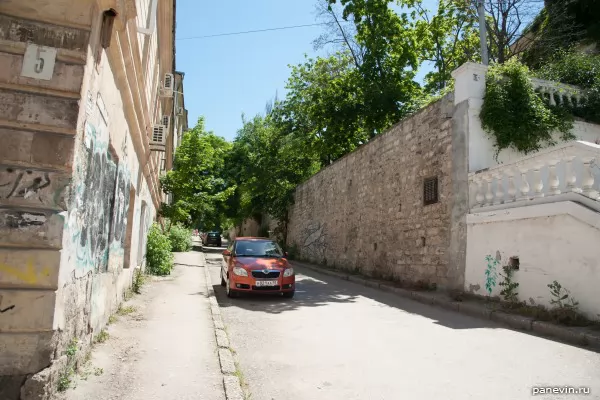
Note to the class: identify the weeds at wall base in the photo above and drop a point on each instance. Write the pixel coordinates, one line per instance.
(102, 336)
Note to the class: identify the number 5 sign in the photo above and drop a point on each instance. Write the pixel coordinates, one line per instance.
(38, 62)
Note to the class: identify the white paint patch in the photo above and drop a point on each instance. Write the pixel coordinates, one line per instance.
(31, 218)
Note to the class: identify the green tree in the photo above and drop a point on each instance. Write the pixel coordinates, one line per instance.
(267, 164)
(196, 182)
(391, 57)
(449, 38)
(324, 107)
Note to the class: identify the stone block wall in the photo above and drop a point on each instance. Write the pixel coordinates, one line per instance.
(366, 212)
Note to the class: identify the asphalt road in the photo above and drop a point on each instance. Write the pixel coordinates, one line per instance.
(339, 340)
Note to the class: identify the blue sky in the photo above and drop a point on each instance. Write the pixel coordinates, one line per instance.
(230, 75)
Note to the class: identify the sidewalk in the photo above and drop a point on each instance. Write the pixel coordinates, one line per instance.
(165, 349)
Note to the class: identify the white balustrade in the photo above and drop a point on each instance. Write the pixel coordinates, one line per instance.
(566, 94)
(569, 167)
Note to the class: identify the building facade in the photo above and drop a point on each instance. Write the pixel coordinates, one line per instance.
(85, 88)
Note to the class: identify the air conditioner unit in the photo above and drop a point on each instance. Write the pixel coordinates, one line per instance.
(169, 82)
(168, 85)
(159, 135)
(165, 120)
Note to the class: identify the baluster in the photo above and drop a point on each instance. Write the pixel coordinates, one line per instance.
(577, 99)
(512, 190)
(479, 195)
(541, 92)
(499, 188)
(560, 97)
(568, 99)
(551, 92)
(524, 184)
(553, 180)
(538, 184)
(571, 176)
(489, 195)
(587, 181)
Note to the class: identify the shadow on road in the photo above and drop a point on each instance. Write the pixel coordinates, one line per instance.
(316, 290)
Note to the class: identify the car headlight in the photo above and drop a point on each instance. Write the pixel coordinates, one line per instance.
(239, 271)
(288, 272)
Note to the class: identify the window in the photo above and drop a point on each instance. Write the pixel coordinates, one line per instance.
(430, 191)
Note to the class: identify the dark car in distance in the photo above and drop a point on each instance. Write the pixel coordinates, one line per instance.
(212, 238)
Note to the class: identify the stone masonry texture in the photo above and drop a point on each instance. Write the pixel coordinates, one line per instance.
(365, 213)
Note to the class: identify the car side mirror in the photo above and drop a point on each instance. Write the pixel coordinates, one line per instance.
(227, 253)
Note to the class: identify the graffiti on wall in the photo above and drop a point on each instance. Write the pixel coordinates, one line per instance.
(314, 241)
(98, 215)
(491, 274)
(35, 187)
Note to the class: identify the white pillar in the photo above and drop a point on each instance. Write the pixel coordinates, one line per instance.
(571, 176)
(587, 181)
(479, 196)
(538, 184)
(499, 188)
(512, 190)
(553, 181)
(469, 81)
(524, 184)
(489, 195)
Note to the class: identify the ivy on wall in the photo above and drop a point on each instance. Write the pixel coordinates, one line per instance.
(516, 116)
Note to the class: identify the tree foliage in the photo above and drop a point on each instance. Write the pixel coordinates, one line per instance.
(449, 38)
(197, 183)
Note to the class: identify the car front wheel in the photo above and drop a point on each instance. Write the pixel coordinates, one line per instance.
(230, 293)
(288, 295)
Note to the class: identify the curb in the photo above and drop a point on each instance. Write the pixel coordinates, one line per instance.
(231, 383)
(543, 328)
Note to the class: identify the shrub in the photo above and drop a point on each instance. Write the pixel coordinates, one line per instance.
(158, 252)
(579, 69)
(180, 237)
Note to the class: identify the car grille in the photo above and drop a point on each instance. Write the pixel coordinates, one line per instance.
(263, 275)
(265, 287)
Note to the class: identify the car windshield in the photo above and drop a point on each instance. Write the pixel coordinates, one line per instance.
(257, 248)
(213, 234)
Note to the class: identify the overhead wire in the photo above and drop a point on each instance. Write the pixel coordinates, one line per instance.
(252, 31)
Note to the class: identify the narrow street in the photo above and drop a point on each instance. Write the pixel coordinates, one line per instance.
(338, 340)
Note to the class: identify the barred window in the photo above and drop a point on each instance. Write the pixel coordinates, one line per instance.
(430, 191)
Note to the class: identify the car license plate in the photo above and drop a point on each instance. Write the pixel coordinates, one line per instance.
(266, 283)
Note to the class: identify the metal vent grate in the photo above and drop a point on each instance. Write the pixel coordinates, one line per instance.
(430, 191)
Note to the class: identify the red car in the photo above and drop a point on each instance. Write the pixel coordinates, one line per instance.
(256, 265)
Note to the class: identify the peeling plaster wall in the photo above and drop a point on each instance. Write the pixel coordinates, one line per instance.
(68, 169)
(106, 168)
(38, 123)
